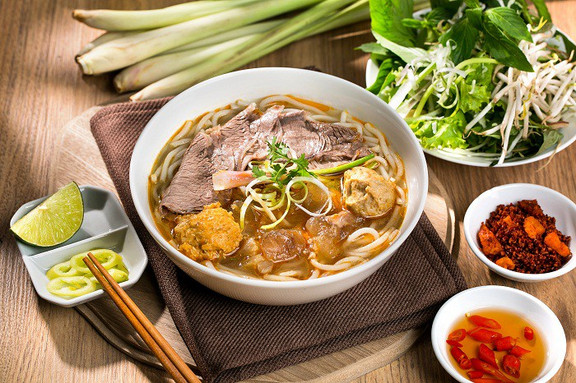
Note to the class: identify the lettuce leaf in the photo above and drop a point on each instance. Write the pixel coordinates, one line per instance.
(446, 132)
(476, 90)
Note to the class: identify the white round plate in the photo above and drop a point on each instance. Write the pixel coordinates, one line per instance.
(569, 136)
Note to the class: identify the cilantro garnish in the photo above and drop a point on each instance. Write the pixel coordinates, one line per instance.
(282, 167)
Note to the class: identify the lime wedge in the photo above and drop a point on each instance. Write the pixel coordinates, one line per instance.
(54, 221)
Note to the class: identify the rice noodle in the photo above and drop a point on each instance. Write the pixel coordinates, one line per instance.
(359, 246)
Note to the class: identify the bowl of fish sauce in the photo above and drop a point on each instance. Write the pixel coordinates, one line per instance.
(493, 334)
(523, 232)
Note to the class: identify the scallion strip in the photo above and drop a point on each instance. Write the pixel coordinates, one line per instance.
(344, 167)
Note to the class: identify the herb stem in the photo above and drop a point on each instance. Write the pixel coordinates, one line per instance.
(476, 60)
(423, 100)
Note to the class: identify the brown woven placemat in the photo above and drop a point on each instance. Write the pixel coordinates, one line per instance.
(232, 340)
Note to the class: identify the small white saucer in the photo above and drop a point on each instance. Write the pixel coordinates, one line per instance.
(105, 225)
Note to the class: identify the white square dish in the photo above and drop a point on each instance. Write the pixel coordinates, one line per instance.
(105, 225)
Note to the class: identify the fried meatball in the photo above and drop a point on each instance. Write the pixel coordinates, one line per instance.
(207, 235)
(367, 193)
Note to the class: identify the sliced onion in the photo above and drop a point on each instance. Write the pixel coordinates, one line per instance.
(327, 205)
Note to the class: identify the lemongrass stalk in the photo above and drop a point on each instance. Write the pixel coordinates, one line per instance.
(104, 38)
(112, 20)
(252, 29)
(212, 40)
(156, 68)
(129, 50)
(231, 60)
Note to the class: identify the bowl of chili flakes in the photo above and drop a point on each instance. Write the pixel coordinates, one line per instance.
(523, 232)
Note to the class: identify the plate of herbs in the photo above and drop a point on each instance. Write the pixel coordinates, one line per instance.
(482, 83)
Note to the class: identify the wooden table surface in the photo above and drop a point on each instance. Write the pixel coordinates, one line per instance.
(42, 89)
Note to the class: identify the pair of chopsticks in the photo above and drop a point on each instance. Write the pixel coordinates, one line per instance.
(171, 361)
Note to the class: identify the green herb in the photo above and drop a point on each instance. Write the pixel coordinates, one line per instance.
(405, 53)
(385, 74)
(387, 16)
(282, 168)
(463, 36)
(503, 49)
(550, 138)
(509, 22)
(344, 167)
(446, 132)
(542, 9)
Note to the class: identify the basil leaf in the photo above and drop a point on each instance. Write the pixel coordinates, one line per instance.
(551, 138)
(387, 18)
(387, 66)
(405, 53)
(464, 37)
(475, 17)
(503, 49)
(413, 23)
(542, 9)
(436, 15)
(568, 43)
(472, 3)
(509, 22)
(450, 5)
(373, 48)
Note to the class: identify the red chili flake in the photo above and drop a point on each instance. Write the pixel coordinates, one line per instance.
(527, 252)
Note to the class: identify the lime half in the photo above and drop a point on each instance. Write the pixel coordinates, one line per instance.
(54, 221)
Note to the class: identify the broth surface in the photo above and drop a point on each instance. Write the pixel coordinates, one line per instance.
(312, 246)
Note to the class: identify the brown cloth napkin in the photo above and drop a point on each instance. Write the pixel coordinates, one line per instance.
(232, 340)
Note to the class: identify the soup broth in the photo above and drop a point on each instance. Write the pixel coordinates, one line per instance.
(271, 226)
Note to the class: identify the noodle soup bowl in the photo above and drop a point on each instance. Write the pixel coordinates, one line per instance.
(253, 84)
(553, 204)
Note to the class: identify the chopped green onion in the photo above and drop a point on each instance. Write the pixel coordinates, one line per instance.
(344, 167)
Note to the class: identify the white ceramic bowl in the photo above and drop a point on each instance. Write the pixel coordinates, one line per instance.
(553, 203)
(525, 305)
(252, 84)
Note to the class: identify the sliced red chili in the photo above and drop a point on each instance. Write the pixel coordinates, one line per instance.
(528, 333)
(483, 335)
(461, 358)
(484, 322)
(480, 365)
(511, 365)
(505, 344)
(486, 380)
(453, 343)
(518, 351)
(475, 374)
(487, 355)
(457, 335)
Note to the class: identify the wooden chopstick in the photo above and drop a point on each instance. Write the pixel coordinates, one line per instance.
(171, 361)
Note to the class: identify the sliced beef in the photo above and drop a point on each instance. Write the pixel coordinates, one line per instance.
(243, 139)
(191, 188)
